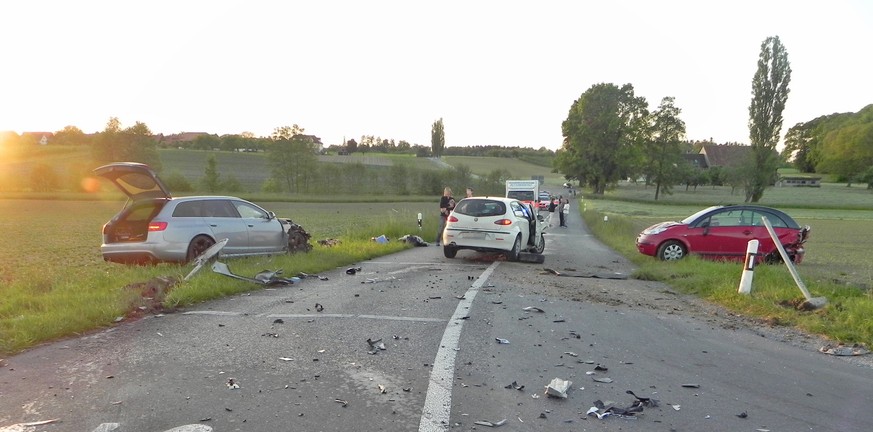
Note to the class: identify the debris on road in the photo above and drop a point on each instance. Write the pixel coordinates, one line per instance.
(329, 242)
(232, 384)
(342, 402)
(413, 240)
(558, 388)
(376, 344)
(352, 270)
(278, 321)
(490, 423)
(743, 415)
(22, 427)
(842, 350)
(600, 368)
(106, 427)
(532, 309)
(381, 239)
(287, 359)
(319, 307)
(377, 280)
(273, 335)
(502, 341)
(619, 276)
(604, 380)
(691, 385)
(644, 401)
(265, 277)
(514, 386)
(382, 389)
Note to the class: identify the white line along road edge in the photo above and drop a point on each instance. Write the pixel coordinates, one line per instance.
(437, 408)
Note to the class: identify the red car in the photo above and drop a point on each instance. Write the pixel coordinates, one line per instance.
(723, 233)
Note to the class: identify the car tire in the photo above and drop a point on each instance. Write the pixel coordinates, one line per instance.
(542, 245)
(449, 251)
(512, 255)
(671, 250)
(197, 246)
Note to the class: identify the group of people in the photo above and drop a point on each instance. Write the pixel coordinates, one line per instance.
(562, 207)
(447, 204)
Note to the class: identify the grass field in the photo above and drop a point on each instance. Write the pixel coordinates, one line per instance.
(520, 170)
(54, 282)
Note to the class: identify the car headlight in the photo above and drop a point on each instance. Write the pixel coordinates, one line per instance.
(654, 230)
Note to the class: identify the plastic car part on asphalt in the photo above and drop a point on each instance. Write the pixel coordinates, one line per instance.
(265, 277)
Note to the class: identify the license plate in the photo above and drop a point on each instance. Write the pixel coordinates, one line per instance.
(472, 236)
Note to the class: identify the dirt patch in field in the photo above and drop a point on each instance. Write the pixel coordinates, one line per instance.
(150, 296)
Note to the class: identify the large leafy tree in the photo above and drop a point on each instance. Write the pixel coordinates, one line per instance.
(769, 95)
(132, 144)
(292, 158)
(664, 148)
(602, 133)
(437, 138)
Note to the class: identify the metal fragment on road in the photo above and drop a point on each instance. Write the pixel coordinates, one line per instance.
(603, 380)
(490, 423)
(376, 344)
(342, 402)
(571, 354)
(502, 341)
(842, 350)
(514, 386)
(691, 385)
(232, 384)
(532, 309)
(107, 427)
(558, 388)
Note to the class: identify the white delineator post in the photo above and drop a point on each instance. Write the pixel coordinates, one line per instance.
(419, 221)
(749, 267)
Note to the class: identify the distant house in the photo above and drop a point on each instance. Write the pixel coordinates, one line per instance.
(317, 145)
(176, 139)
(798, 181)
(696, 160)
(41, 138)
(722, 155)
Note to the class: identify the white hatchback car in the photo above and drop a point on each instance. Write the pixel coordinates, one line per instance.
(487, 224)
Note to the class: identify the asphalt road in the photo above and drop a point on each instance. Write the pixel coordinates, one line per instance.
(300, 357)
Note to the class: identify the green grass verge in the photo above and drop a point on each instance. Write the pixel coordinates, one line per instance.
(846, 318)
(54, 283)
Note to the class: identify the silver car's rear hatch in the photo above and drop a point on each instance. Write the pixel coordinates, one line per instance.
(137, 181)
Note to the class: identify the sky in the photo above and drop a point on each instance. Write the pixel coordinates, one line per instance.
(496, 72)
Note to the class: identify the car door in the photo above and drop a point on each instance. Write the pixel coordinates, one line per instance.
(733, 232)
(522, 220)
(266, 233)
(225, 223)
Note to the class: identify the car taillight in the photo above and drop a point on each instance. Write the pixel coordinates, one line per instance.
(157, 226)
(453, 219)
(503, 222)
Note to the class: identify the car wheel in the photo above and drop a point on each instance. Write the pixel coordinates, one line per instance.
(671, 250)
(541, 246)
(197, 246)
(449, 251)
(516, 249)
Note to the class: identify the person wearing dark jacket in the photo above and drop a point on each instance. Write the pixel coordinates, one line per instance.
(447, 204)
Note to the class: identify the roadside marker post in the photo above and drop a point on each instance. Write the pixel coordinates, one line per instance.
(811, 302)
(749, 268)
(419, 221)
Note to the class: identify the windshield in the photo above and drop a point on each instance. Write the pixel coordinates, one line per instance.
(694, 217)
(521, 195)
(480, 207)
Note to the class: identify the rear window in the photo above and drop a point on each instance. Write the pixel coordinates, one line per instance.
(481, 207)
(521, 195)
(142, 211)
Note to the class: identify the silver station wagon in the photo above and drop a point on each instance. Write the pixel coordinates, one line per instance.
(154, 227)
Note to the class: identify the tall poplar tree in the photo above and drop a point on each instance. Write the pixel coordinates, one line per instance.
(437, 138)
(769, 94)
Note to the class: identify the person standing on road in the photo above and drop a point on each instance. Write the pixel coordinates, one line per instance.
(552, 206)
(562, 203)
(447, 204)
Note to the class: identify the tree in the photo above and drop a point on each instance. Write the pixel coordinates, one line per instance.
(293, 162)
(664, 147)
(69, 135)
(133, 144)
(769, 94)
(602, 133)
(211, 176)
(438, 138)
(352, 145)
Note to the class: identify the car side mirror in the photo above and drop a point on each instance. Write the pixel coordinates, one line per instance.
(271, 215)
